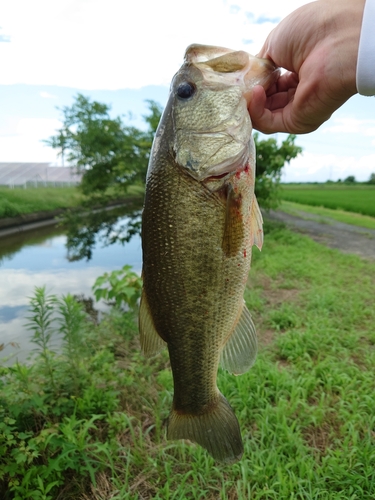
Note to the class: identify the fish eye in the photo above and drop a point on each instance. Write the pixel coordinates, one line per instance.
(185, 90)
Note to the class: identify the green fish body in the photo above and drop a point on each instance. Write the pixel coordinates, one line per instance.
(200, 221)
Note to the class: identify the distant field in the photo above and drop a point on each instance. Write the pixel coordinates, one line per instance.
(357, 198)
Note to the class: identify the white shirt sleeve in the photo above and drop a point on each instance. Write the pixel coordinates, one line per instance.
(366, 52)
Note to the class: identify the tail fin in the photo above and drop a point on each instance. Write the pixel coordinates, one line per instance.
(217, 431)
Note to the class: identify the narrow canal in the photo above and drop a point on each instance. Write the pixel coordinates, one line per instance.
(40, 257)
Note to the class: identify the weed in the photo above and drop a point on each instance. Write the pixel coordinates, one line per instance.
(41, 308)
(283, 318)
(72, 324)
(123, 287)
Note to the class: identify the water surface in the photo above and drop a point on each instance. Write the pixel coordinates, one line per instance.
(40, 257)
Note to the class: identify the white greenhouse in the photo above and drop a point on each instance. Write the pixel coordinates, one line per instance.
(37, 174)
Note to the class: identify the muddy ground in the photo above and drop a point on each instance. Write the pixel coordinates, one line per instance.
(344, 237)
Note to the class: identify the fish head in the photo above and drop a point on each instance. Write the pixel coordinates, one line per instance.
(208, 108)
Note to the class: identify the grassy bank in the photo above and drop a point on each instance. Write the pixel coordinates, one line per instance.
(20, 201)
(306, 409)
(327, 213)
(357, 198)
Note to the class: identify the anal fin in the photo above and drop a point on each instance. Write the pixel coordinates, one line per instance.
(151, 342)
(239, 352)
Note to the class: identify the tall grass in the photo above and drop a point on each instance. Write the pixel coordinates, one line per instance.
(360, 199)
(20, 201)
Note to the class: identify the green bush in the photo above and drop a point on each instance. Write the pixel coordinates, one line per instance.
(123, 287)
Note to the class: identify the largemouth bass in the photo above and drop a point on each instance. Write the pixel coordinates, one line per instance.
(200, 221)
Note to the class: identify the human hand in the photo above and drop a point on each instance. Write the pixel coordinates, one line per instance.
(318, 46)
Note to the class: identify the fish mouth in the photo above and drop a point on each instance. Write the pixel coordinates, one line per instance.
(218, 177)
(235, 67)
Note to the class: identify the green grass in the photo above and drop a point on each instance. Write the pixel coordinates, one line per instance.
(20, 201)
(357, 198)
(306, 409)
(340, 186)
(327, 213)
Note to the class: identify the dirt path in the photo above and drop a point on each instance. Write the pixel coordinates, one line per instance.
(344, 237)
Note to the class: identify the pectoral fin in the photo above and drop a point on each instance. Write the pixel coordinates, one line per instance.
(234, 228)
(256, 225)
(151, 342)
(240, 350)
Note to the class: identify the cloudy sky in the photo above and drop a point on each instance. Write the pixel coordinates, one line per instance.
(123, 52)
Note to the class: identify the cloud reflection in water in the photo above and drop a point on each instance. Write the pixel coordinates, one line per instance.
(45, 263)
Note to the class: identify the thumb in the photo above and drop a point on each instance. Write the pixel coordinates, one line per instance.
(261, 117)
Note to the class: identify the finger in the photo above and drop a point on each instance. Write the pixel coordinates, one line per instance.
(279, 100)
(262, 118)
(257, 104)
(272, 114)
(285, 82)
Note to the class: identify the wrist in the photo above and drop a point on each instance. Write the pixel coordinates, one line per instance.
(343, 28)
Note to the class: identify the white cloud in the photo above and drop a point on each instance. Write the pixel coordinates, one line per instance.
(38, 126)
(46, 95)
(91, 44)
(116, 44)
(23, 142)
(350, 125)
(18, 284)
(25, 149)
(310, 167)
(270, 9)
(8, 127)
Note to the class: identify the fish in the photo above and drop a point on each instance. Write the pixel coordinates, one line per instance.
(200, 221)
